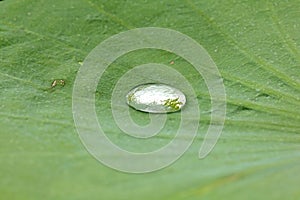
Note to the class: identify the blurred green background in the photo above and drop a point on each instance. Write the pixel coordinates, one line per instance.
(255, 45)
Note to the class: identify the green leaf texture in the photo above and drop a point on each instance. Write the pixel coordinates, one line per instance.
(256, 46)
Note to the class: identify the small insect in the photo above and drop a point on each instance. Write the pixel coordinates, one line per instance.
(56, 82)
(172, 62)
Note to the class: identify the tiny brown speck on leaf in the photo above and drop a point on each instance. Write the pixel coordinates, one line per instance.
(56, 82)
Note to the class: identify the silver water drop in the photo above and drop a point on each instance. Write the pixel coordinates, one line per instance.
(156, 98)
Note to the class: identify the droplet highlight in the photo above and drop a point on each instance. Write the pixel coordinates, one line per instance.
(156, 98)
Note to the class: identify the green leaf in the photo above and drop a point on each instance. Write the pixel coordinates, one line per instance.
(255, 45)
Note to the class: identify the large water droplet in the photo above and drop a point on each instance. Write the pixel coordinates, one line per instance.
(156, 98)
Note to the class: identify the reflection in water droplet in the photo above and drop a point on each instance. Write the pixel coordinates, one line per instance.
(156, 98)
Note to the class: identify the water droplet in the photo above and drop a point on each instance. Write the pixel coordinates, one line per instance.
(156, 98)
